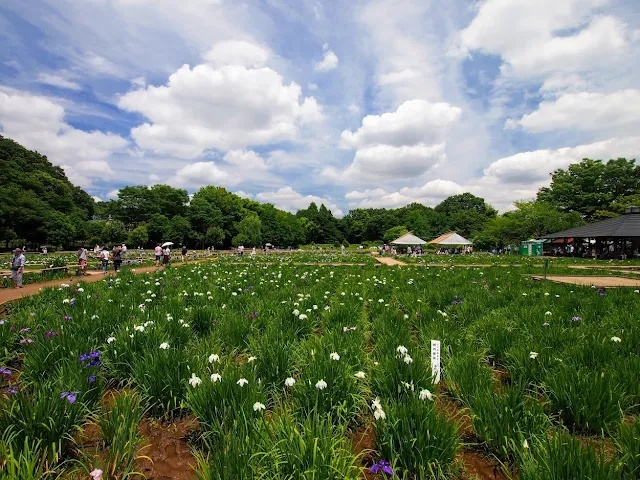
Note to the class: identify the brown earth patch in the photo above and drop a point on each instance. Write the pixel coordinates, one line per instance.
(168, 449)
(452, 411)
(479, 467)
(603, 282)
(390, 262)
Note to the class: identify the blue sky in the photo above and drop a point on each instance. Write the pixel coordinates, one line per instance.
(363, 103)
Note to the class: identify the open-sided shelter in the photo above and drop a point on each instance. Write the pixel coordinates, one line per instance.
(617, 237)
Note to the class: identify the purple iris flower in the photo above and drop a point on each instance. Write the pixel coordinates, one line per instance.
(92, 378)
(67, 317)
(575, 319)
(5, 371)
(72, 302)
(26, 340)
(70, 396)
(24, 330)
(50, 334)
(11, 390)
(382, 465)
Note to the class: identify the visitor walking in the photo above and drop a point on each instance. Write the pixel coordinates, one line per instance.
(124, 250)
(17, 268)
(166, 255)
(184, 254)
(117, 257)
(104, 258)
(82, 259)
(158, 252)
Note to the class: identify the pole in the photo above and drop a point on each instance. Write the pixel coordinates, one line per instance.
(546, 267)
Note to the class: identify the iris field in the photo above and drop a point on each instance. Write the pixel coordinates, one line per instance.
(323, 372)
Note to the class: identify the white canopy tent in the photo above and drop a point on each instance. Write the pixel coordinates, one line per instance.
(451, 238)
(408, 239)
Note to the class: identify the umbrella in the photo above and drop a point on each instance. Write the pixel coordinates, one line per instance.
(167, 244)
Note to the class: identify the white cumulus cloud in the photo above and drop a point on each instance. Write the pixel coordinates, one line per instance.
(237, 52)
(38, 123)
(329, 62)
(415, 121)
(230, 107)
(199, 174)
(286, 198)
(531, 36)
(430, 194)
(617, 112)
(395, 145)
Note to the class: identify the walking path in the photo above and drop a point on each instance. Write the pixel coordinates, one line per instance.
(389, 261)
(608, 282)
(9, 294)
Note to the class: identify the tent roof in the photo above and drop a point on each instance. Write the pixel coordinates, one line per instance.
(627, 225)
(451, 238)
(408, 239)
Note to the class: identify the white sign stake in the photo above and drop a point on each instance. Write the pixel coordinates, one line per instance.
(435, 360)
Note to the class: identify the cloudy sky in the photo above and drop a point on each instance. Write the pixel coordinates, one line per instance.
(354, 103)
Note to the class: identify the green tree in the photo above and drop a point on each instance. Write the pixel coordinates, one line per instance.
(94, 231)
(465, 213)
(33, 192)
(529, 220)
(249, 232)
(58, 229)
(170, 202)
(133, 206)
(214, 237)
(114, 232)
(158, 227)
(395, 232)
(138, 236)
(179, 230)
(310, 229)
(592, 187)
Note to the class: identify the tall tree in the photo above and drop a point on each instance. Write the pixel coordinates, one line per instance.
(591, 187)
(33, 196)
(158, 227)
(249, 231)
(465, 213)
(179, 230)
(529, 220)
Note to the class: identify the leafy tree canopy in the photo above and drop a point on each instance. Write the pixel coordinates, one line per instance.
(593, 188)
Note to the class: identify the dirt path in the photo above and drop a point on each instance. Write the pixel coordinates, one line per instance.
(608, 282)
(468, 265)
(9, 294)
(389, 261)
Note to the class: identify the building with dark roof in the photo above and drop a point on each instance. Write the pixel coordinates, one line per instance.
(617, 237)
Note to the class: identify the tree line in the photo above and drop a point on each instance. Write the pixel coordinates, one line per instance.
(39, 205)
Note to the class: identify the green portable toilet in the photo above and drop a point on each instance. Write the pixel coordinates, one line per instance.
(531, 248)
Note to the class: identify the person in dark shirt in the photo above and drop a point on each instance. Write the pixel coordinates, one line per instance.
(184, 254)
(117, 257)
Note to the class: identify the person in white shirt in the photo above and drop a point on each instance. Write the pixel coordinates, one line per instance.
(82, 259)
(166, 255)
(158, 253)
(104, 258)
